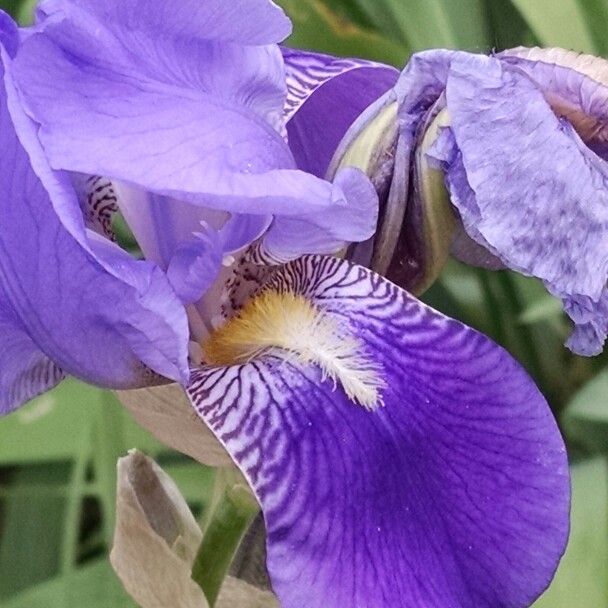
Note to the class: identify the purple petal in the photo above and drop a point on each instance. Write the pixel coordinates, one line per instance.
(454, 492)
(352, 218)
(526, 186)
(202, 133)
(573, 84)
(195, 265)
(25, 372)
(9, 34)
(325, 95)
(251, 22)
(94, 311)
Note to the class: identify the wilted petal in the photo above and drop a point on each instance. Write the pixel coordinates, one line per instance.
(166, 412)
(97, 313)
(156, 537)
(325, 95)
(574, 84)
(25, 371)
(452, 492)
(525, 184)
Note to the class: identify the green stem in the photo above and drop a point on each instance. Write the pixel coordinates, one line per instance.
(234, 512)
(529, 349)
(493, 307)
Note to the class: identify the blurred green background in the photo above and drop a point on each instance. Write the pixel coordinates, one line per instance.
(58, 454)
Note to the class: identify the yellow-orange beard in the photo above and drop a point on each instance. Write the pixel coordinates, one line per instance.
(290, 326)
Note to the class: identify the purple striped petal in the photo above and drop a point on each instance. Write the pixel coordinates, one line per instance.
(25, 372)
(98, 202)
(83, 302)
(453, 492)
(324, 96)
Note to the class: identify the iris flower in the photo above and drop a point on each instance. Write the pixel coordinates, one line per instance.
(400, 458)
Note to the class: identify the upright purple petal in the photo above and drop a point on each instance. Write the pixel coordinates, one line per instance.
(184, 117)
(90, 308)
(251, 22)
(325, 95)
(453, 491)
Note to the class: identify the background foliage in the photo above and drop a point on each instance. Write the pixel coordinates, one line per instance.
(58, 454)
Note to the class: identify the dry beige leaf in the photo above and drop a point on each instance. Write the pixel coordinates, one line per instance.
(156, 537)
(156, 540)
(165, 411)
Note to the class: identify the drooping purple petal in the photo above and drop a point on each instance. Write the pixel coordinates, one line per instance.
(525, 184)
(325, 95)
(25, 372)
(454, 492)
(90, 308)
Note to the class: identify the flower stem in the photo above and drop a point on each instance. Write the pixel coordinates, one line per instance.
(231, 517)
(529, 351)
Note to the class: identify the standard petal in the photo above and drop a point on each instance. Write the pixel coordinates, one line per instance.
(251, 22)
(25, 372)
(525, 184)
(454, 492)
(325, 95)
(97, 313)
(118, 116)
(352, 218)
(174, 97)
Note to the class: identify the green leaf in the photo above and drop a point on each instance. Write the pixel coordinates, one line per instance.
(94, 586)
(318, 27)
(546, 308)
(586, 418)
(33, 527)
(51, 427)
(582, 577)
(423, 24)
(563, 23)
(596, 17)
